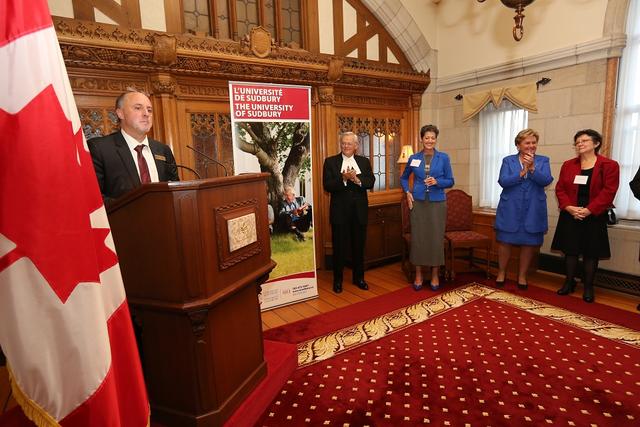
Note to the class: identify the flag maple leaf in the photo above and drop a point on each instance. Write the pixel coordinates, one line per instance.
(46, 211)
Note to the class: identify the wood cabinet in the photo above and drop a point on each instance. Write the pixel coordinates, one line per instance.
(383, 234)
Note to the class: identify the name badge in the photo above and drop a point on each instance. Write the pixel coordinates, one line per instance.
(160, 157)
(580, 179)
(415, 163)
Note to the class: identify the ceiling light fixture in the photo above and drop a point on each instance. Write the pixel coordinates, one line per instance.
(518, 6)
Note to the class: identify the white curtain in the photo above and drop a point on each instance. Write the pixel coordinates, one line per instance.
(626, 135)
(498, 129)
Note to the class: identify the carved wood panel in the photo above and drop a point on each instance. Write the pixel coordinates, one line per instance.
(211, 135)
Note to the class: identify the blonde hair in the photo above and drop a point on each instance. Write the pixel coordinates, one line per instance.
(525, 133)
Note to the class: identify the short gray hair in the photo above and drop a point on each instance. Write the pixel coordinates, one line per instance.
(120, 99)
(355, 137)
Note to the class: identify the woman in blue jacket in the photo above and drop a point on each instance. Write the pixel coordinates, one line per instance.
(432, 173)
(521, 218)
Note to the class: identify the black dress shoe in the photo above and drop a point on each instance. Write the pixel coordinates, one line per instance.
(500, 283)
(588, 295)
(568, 287)
(337, 287)
(362, 284)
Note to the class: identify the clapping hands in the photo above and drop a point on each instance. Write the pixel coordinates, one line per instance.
(350, 174)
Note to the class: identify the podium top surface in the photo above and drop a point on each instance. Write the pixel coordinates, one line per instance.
(191, 185)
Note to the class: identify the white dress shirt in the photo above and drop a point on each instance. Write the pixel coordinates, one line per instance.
(146, 152)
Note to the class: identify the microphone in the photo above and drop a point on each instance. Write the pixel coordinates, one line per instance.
(211, 159)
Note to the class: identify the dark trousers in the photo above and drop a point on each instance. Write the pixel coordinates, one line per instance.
(351, 234)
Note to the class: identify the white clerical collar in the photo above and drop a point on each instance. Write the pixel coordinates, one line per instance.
(350, 162)
(132, 142)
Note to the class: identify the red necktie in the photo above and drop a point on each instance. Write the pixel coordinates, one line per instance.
(145, 177)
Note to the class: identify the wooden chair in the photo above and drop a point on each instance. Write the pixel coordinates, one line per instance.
(459, 234)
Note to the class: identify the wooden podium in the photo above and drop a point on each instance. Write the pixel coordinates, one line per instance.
(193, 256)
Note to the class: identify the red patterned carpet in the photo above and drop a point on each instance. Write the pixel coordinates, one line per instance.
(470, 356)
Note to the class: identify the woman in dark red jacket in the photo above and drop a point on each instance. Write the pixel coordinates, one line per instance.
(586, 188)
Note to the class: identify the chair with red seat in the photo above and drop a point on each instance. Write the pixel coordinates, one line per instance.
(459, 232)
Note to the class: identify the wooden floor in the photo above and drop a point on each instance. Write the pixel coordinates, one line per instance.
(389, 278)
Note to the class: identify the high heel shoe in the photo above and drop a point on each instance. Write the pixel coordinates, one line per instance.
(433, 286)
(567, 288)
(500, 283)
(523, 286)
(417, 286)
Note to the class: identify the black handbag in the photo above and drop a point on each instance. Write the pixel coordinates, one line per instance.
(611, 217)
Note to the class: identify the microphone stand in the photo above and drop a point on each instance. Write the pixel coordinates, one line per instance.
(189, 169)
(211, 160)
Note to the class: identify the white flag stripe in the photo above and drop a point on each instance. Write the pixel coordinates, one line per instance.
(6, 245)
(48, 325)
(35, 58)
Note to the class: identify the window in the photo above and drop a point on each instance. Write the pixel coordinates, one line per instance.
(626, 135)
(379, 140)
(498, 129)
(233, 19)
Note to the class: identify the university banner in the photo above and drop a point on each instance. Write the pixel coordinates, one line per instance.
(271, 127)
(65, 326)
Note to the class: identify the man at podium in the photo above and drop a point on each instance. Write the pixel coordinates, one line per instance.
(127, 158)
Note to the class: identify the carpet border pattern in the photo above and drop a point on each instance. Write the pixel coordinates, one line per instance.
(330, 345)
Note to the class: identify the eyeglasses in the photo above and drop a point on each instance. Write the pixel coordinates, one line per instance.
(580, 141)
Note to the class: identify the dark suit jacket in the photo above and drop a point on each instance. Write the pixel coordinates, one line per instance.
(115, 169)
(635, 185)
(341, 194)
(602, 190)
(514, 200)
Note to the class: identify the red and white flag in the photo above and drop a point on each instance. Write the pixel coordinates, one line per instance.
(64, 322)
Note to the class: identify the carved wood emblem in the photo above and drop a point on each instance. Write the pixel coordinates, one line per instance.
(245, 246)
(164, 49)
(260, 42)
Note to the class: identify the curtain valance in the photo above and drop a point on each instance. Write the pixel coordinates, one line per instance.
(523, 96)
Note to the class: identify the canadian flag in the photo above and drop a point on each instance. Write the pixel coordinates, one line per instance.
(64, 322)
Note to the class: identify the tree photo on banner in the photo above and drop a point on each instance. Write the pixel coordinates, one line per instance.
(272, 133)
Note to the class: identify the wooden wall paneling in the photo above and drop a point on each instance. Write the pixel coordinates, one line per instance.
(163, 98)
(174, 16)
(233, 20)
(338, 29)
(326, 146)
(193, 77)
(95, 94)
(414, 121)
(277, 5)
(187, 157)
(310, 26)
